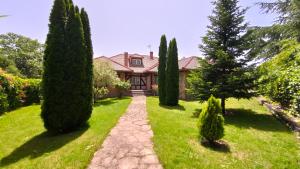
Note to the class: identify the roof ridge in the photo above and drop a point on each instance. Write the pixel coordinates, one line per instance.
(120, 64)
(191, 58)
(151, 67)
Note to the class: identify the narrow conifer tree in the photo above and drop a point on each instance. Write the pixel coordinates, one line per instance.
(172, 75)
(162, 69)
(75, 73)
(89, 66)
(54, 63)
(66, 103)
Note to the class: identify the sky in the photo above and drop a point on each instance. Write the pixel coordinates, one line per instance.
(127, 25)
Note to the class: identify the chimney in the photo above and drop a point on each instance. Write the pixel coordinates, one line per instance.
(151, 56)
(126, 59)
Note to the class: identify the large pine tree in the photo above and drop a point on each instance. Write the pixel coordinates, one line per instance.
(162, 69)
(66, 103)
(224, 72)
(89, 66)
(172, 75)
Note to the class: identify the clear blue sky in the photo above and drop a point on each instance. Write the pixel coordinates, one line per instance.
(126, 25)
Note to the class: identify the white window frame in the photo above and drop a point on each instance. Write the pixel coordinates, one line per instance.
(137, 62)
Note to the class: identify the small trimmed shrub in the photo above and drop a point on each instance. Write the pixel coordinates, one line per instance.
(211, 121)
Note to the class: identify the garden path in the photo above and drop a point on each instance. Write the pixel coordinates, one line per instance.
(129, 144)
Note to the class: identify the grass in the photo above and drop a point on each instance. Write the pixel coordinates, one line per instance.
(255, 139)
(24, 143)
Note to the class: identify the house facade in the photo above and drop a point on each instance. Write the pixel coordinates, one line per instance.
(141, 70)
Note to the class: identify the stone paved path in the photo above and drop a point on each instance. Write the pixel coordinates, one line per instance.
(129, 144)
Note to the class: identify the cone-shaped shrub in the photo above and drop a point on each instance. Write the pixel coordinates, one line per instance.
(211, 121)
(162, 69)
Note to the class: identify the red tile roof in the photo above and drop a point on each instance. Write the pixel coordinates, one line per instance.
(149, 65)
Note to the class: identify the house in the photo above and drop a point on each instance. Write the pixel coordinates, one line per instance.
(141, 70)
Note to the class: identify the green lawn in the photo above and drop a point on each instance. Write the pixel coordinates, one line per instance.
(255, 139)
(24, 144)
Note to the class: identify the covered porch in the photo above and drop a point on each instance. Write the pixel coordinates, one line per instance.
(140, 81)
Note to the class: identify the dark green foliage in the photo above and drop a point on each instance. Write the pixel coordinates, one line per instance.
(89, 66)
(211, 121)
(162, 69)
(54, 64)
(172, 75)
(224, 72)
(67, 77)
(32, 91)
(75, 103)
(264, 42)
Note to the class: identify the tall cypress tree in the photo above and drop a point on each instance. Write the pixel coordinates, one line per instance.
(224, 72)
(75, 73)
(89, 67)
(172, 75)
(162, 69)
(53, 75)
(66, 104)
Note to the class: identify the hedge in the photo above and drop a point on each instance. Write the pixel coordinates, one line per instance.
(280, 77)
(16, 92)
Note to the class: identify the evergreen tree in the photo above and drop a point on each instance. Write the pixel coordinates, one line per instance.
(224, 72)
(67, 102)
(89, 66)
(54, 65)
(75, 73)
(211, 121)
(162, 69)
(172, 75)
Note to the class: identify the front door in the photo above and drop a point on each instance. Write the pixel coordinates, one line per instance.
(138, 82)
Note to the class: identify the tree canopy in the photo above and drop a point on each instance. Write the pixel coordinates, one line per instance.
(224, 72)
(21, 55)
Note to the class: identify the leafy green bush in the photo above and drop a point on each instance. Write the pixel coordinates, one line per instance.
(211, 121)
(106, 77)
(3, 101)
(16, 92)
(280, 77)
(32, 91)
(100, 93)
(122, 86)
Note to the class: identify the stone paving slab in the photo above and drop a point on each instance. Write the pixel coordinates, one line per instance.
(129, 144)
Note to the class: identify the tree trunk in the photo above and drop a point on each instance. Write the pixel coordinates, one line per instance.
(223, 105)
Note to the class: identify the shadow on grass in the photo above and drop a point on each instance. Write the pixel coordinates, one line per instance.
(246, 118)
(220, 146)
(178, 107)
(109, 101)
(196, 113)
(41, 144)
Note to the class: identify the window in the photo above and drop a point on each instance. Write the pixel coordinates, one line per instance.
(136, 62)
(135, 80)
